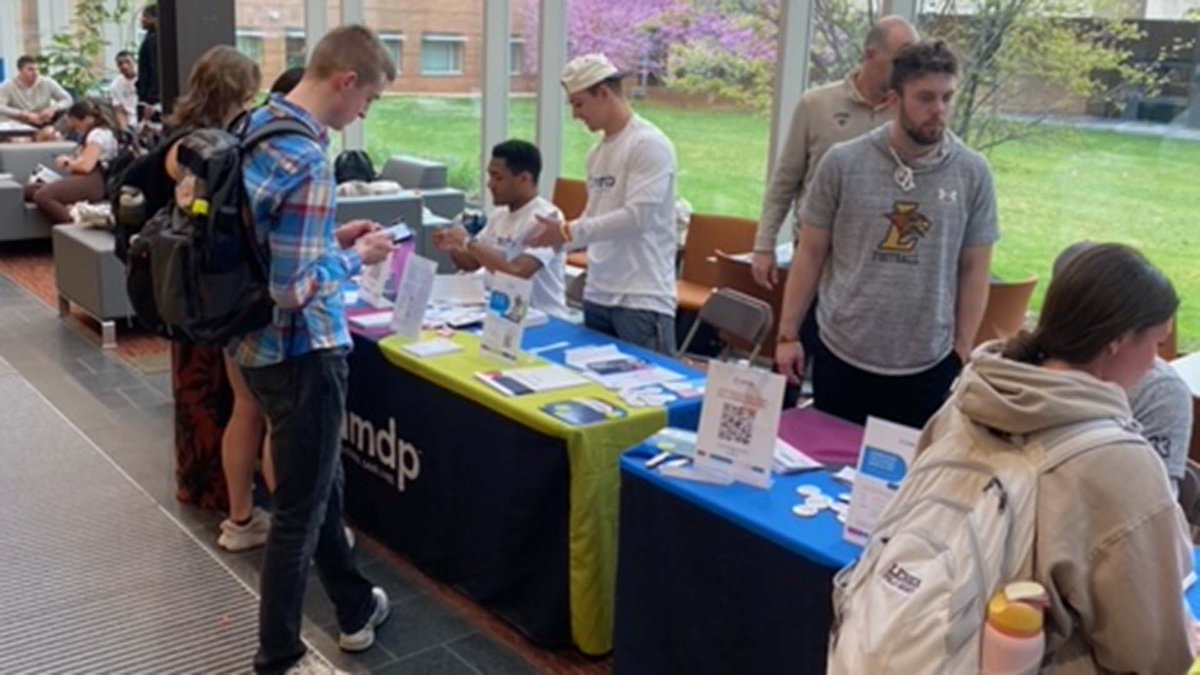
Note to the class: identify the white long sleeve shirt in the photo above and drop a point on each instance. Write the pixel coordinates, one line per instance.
(628, 226)
(16, 99)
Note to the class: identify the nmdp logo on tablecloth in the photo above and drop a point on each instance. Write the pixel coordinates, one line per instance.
(380, 451)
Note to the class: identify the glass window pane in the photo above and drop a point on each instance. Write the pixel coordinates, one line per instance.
(713, 102)
(295, 48)
(394, 44)
(522, 86)
(433, 108)
(273, 33)
(1080, 151)
(441, 55)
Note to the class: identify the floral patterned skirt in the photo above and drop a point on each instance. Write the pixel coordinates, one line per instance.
(203, 402)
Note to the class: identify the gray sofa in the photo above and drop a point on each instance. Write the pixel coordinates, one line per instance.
(414, 172)
(19, 220)
(90, 275)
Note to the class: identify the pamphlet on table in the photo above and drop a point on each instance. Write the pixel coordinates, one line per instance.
(372, 283)
(521, 381)
(459, 290)
(412, 296)
(503, 324)
(614, 369)
(739, 422)
(888, 449)
(583, 411)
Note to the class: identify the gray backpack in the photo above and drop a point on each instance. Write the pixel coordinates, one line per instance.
(961, 526)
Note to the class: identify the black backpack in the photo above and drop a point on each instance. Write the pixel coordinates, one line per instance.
(353, 165)
(147, 188)
(198, 270)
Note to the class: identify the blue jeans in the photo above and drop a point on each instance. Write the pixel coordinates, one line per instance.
(304, 399)
(637, 326)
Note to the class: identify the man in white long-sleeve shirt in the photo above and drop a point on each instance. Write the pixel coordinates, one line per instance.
(628, 226)
(31, 98)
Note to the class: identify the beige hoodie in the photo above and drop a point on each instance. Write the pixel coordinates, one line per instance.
(1112, 546)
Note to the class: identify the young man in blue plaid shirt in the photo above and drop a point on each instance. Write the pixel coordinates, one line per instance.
(296, 366)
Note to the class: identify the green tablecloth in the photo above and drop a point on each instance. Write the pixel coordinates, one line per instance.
(593, 454)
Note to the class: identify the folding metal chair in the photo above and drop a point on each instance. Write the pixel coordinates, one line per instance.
(740, 320)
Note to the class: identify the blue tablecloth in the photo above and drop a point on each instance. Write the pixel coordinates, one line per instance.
(767, 513)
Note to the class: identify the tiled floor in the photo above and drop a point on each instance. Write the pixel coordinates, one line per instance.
(129, 416)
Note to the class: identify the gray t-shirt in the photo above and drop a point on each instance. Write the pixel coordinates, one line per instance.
(1162, 403)
(889, 289)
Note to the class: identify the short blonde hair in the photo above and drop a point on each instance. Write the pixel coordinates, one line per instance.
(351, 48)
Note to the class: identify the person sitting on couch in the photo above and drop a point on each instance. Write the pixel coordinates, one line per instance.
(84, 172)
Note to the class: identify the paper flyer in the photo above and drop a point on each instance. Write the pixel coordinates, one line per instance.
(739, 421)
(888, 449)
(503, 325)
(412, 296)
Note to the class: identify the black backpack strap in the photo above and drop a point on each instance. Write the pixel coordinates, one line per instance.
(282, 126)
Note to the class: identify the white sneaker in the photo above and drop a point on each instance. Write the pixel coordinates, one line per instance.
(236, 537)
(362, 639)
(312, 664)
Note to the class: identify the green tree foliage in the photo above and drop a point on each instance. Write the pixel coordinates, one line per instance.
(73, 56)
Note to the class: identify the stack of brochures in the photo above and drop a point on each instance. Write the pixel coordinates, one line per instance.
(610, 367)
(522, 381)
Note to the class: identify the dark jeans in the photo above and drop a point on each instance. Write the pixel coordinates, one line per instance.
(851, 393)
(635, 326)
(304, 398)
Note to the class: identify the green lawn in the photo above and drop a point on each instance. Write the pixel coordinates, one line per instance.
(1052, 190)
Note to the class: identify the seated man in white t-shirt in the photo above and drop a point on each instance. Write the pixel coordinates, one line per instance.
(500, 247)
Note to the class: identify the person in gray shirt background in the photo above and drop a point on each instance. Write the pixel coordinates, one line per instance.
(1161, 401)
(897, 229)
(826, 115)
(36, 100)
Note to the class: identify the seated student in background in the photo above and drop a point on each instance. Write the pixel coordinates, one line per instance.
(36, 100)
(500, 247)
(1161, 401)
(83, 179)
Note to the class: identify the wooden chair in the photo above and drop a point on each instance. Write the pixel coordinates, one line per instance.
(735, 273)
(570, 196)
(1004, 315)
(705, 236)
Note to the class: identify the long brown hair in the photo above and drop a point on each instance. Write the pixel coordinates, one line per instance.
(220, 84)
(101, 113)
(1100, 295)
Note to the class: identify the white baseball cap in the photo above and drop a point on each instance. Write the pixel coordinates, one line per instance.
(587, 70)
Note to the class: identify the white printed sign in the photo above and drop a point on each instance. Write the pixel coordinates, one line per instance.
(412, 296)
(739, 421)
(888, 449)
(373, 282)
(503, 324)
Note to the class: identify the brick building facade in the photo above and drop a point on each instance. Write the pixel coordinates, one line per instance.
(438, 44)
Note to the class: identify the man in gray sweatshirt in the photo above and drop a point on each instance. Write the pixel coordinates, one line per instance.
(31, 98)
(896, 229)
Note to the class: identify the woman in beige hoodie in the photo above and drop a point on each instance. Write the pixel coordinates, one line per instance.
(1111, 545)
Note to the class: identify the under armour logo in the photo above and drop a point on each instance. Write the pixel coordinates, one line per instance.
(947, 196)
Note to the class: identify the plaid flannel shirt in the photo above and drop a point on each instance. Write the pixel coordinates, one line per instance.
(291, 189)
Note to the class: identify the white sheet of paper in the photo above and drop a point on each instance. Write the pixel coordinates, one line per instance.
(503, 325)
(459, 289)
(789, 458)
(412, 296)
(373, 282)
(547, 378)
(435, 347)
(372, 320)
(888, 449)
(739, 422)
